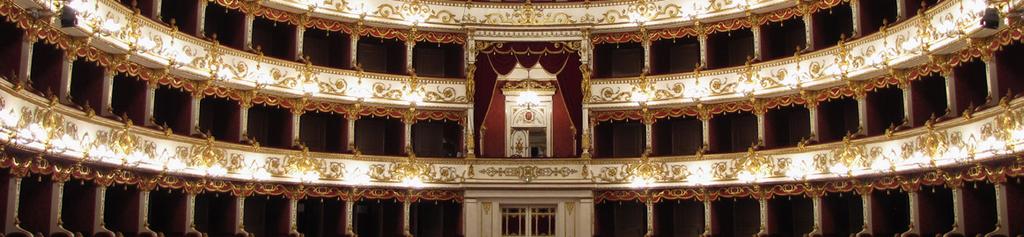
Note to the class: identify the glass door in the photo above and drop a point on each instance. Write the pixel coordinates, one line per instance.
(526, 221)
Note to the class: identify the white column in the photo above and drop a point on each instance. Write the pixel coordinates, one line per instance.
(959, 220)
(588, 134)
(706, 130)
(293, 218)
(812, 112)
(407, 135)
(249, 18)
(862, 112)
(470, 140)
(11, 200)
(296, 127)
(1002, 211)
(915, 212)
(243, 120)
(866, 204)
(951, 92)
(761, 126)
(157, 10)
(908, 102)
(351, 135)
(648, 135)
(645, 42)
(650, 217)
(702, 39)
(239, 220)
(66, 67)
(353, 48)
(992, 78)
(763, 204)
(410, 44)
(107, 92)
(708, 219)
(150, 103)
(201, 18)
(808, 31)
(349, 217)
(190, 214)
(194, 110)
(855, 16)
(56, 201)
(901, 10)
(406, 206)
(143, 224)
(299, 41)
(25, 69)
(818, 216)
(756, 33)
(100, 204)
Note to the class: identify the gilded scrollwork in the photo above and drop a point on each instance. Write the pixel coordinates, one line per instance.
(621, 174)
(612, 94)
(527, 14)
(432, 173)
(444, 94)
(333, 171)
(528, 173)
(385, 90)
(675, 90)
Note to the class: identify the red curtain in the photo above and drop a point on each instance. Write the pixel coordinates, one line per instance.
(499, 59)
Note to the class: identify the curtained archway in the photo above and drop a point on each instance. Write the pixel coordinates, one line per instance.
(489, 103)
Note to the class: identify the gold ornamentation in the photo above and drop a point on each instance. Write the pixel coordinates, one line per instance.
(528, 173)
(205, 156)
(528, 85)
(755, 166)
(413, 172)
(303, 165)
(528, 14)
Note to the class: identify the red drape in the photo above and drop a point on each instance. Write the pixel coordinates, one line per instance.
(499, 59)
